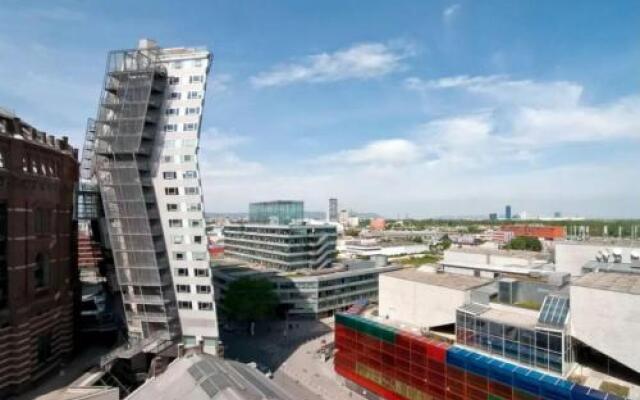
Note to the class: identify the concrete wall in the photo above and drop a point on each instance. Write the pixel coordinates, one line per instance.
(465, 257)
(570, 257)
(607, 321)
(418, 303)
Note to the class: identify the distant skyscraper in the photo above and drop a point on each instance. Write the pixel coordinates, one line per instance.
(493, 216)
(333, 210)
(147, 134)
(507, 212)
(557, 214)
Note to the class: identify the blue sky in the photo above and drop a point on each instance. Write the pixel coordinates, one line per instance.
(420, 108)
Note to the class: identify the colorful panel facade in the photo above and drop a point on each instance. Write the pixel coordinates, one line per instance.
(400, 365)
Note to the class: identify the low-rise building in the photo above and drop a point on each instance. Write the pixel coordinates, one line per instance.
(285, 247)
(572, 255)
(310, 293)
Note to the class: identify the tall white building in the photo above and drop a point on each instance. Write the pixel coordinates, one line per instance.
(147, 134)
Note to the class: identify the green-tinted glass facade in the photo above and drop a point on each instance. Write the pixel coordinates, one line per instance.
(276, 212)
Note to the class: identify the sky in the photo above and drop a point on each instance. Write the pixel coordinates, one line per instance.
(403, 108)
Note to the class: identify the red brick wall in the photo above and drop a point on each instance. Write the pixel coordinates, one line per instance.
(35, 313)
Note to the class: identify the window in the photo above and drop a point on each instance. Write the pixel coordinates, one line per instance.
(174, 80)
(199, 255)
(196, 79)
(188, 158)
(183, 288)
(179, 256)
(191, 190)
(167, 159)
(1, 160)
(197, 63)
(169, 175)
(44, 348)
(172, 207)
(175, 223)
(203, 289)
(41, 271)
(172, 111)
(171, 191)
(34, 166)
(41, 221)
(192, 111)
(195, 223)
(189, 340)
(189, 127)
(194, 207)
(177, 239)
(190, 174)
(197, 239)
(205, 306)
(194, 95)
(201, 272)
(182, 272)
(184, 305)
(170, 128)
(175, 96)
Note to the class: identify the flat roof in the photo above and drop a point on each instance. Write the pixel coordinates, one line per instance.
(533, 255)
(613, 281)
(510, 315)
(444, 279)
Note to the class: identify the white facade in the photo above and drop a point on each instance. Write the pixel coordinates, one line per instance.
(572, 256)
(607, 321)
(179, 193)
(408, 296)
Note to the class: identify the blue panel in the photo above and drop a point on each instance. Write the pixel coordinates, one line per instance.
(478, 364)
(580, 392)
(456, 357)
(527, 380)
(555, 389)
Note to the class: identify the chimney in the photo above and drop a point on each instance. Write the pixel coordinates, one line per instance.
(145, 44)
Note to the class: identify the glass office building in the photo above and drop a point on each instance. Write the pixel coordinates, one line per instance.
(280, 212)
(545, 344)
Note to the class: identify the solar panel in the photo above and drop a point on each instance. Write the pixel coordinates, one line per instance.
(554, 311)
(195, 372)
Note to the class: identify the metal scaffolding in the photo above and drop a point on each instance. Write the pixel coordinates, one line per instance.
(125, 131)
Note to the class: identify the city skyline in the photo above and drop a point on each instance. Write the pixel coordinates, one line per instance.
(450, 108)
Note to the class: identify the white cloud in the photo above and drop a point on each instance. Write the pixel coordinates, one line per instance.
(501, 89)
(449, 13)
(379, 152)
(219, 83)
(219, 159)
(360, 61)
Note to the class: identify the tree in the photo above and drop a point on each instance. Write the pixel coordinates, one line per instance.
(446, 242)
(249, 299)
(524, 243)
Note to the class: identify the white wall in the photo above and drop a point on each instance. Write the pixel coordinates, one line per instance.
(571, 257)
(418, 303)
(464, 257)
(609, 322)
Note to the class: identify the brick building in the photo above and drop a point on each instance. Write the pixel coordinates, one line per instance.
(38, 261)
(547, 232)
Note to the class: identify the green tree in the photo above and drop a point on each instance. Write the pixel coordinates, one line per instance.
(445, 242)
(524, 243)
(249, 299)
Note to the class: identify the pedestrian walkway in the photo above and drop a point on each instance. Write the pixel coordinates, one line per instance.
(315, 374)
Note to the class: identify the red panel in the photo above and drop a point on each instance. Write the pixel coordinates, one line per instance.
(436, 352)
(369, 385)
(501, 390)
(476, 394)
(476, 381)
(455, 373)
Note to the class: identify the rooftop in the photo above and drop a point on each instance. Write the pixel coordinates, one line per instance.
(205, 377)
(511, 253)
(599, 266)
(444, 279)
(613, 281)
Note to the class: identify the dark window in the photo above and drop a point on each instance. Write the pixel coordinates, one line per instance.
(3, 251)
(41, 271)
(44, 348)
